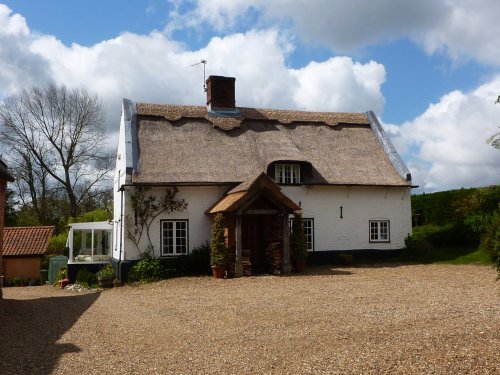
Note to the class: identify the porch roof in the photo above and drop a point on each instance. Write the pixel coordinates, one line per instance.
(239, 197)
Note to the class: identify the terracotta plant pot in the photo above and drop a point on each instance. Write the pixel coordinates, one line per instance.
(219, 271)
(299, 266)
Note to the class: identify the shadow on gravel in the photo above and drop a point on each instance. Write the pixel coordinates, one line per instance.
(30, 329)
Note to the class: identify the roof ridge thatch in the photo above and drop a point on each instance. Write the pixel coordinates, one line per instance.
(229, 121)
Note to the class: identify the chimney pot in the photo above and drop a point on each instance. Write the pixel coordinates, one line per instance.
(220, 92)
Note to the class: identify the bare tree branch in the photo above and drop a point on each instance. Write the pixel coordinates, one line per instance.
(58, 131)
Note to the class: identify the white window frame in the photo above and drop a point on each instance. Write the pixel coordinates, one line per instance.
(287, 173)
(175, 231)
(380, 230)
(308, 231)
(96, 237)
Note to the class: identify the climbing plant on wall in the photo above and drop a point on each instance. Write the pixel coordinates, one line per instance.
(146, 208)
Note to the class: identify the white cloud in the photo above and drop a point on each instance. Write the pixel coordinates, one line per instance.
(18, 66)
(446, 145)
(339, 84)
(460, 28)
(155, 68)
(470, 30)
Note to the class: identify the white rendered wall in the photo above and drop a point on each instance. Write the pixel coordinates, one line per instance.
(199, 199)
(322, 203)
(359, 206)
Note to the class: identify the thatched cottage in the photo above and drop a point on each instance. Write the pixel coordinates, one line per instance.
(256, 166)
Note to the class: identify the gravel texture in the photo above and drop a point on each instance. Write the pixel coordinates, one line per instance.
(433, 319)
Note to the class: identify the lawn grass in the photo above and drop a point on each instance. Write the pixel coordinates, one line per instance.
(458, 254)
(464, 256)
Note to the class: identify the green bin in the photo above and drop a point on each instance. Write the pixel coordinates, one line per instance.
(55, 263)
(44, 276)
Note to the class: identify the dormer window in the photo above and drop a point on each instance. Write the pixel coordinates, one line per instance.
(287, 173)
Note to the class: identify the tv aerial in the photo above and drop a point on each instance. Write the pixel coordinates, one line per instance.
(204, 62)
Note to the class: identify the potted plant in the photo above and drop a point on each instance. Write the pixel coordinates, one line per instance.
(106, 276)
(298, 244)
(219, 250)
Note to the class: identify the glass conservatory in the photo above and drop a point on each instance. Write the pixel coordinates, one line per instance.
(90, 242)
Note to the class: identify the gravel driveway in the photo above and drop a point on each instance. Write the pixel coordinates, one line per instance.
(438, 319)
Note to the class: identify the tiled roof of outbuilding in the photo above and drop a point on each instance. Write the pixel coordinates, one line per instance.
(26, 241)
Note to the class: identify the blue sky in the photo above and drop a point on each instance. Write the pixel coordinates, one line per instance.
(428, 69)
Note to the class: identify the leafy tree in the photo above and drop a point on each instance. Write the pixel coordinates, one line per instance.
(495, 138)
(10, 208)
(298, 241)
(219, 250)
(55, 140)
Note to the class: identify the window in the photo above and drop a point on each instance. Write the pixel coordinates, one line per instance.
(379, 230)
(90, 242)
(308, 231)
(287, 173)
(174, 237)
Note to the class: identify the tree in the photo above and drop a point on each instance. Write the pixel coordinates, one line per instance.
(298, 240)
(55, 139)
(219, 250)
(495, 138)
(10, 211)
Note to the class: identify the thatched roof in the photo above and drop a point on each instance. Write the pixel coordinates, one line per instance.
(234, 119)
(188, 144)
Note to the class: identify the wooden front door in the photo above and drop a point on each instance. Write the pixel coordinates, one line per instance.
(253, 239)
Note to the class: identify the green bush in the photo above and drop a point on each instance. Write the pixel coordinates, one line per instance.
(61, 275)
(107, 271)
(298, 241)
(146, 270)
(174, 266)
(490, 241)
(417, 247)
(198, 261)
(84, 277)
(439, 234)
(58, 243)
(19, 281)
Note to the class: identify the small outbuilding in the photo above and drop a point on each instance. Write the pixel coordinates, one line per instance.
(23, 251)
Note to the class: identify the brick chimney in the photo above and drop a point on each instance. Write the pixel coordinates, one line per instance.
(220, 92)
